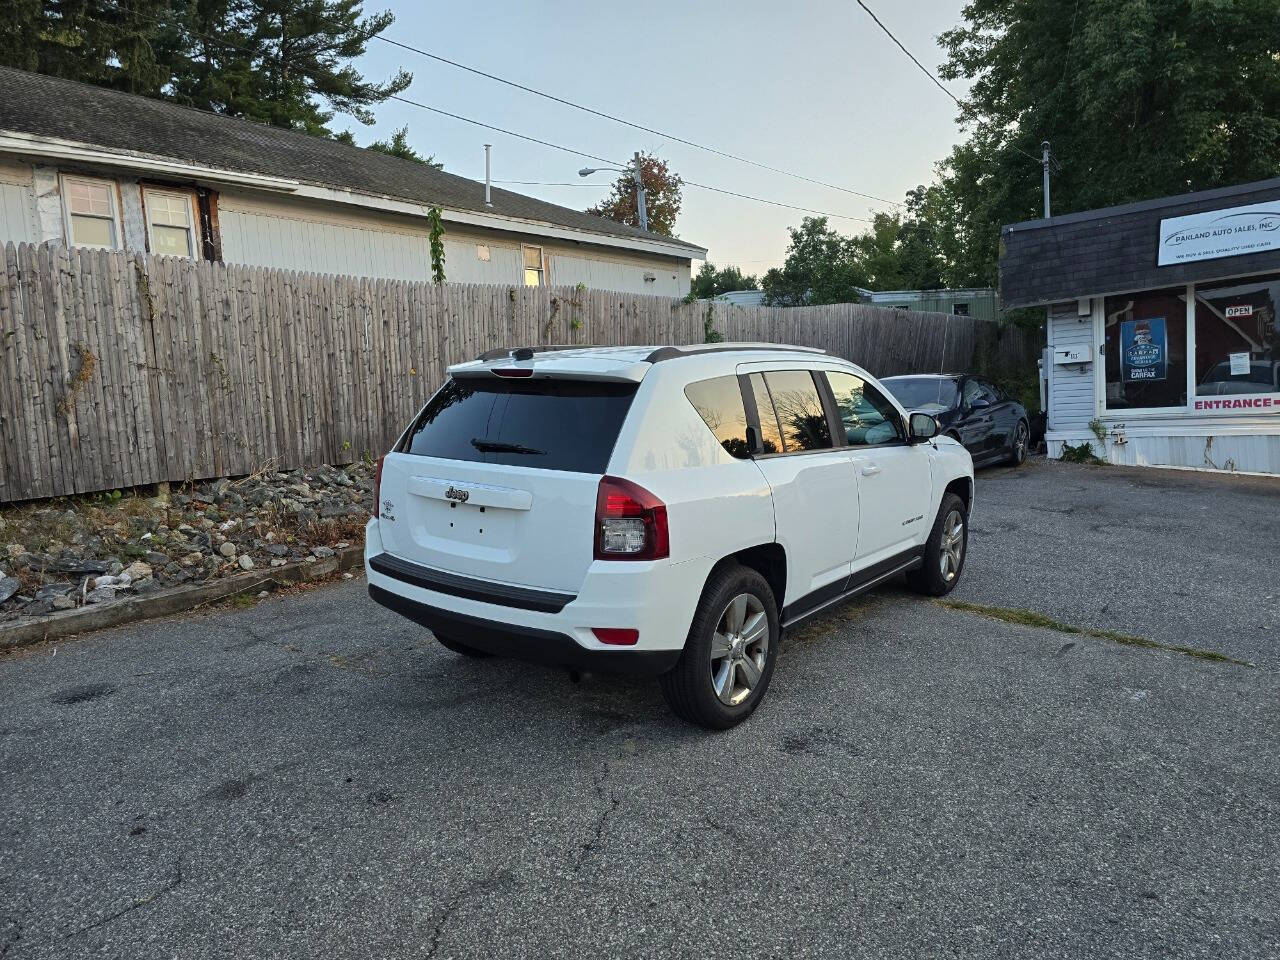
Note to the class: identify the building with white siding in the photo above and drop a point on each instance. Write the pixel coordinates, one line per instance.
(86, 166)
(1163, 327)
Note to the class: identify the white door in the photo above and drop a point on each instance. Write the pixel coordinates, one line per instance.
(815, 491)
(894, 477)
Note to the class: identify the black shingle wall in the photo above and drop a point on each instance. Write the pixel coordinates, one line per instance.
(1114, 250)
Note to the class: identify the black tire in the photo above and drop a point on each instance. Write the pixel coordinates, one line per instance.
(1018, 446)
(460, 648)
(690, 687)
(930, 579)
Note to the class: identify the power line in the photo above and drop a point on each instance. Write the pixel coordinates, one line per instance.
(627, 123)
(923, 68)
(556, 146)
(938, 83)
(509, 133)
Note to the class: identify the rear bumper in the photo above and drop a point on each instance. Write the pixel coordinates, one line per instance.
(526, 643)
(656, 598)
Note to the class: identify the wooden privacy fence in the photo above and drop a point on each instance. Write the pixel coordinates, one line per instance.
(121, 369)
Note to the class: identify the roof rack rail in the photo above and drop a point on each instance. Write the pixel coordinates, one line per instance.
(671, 353)
(502, 353)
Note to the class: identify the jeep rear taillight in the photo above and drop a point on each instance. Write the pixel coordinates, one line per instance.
(631, 523)
(377, 488)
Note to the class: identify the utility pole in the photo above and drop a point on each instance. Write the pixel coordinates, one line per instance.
(643, 214)
(1044, 165)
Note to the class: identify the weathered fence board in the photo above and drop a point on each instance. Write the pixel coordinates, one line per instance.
(122, 369)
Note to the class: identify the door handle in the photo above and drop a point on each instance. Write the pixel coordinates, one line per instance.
(870, 469)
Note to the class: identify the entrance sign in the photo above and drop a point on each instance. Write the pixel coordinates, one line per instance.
(1219, 233)
(1144, 350)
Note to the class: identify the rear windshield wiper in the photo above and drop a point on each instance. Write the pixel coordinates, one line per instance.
(497, 446)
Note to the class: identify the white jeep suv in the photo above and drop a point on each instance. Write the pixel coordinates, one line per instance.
(664, 511)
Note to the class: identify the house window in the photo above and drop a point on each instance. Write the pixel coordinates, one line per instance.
(1237, 336)
(532, 266)
(170, 223)
(959, 309)
(1145, 337)
(93, 219)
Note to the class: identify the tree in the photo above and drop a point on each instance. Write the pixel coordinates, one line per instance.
(283, 62)
(1139, 98)
(398, 146)
(710, 282)
(662, 194)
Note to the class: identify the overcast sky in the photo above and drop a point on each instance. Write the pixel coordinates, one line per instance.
(808, 86)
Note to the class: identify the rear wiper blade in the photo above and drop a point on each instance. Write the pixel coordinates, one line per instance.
(497, 446)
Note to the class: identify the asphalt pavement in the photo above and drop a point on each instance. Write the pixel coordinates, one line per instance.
(313, 776)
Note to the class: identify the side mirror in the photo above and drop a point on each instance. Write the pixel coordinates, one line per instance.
(923, 427)
(979, 404)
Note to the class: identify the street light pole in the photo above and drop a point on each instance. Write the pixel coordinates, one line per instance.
(641, 211)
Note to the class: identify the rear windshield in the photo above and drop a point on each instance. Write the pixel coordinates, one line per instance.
(923, 393)
(551, 424)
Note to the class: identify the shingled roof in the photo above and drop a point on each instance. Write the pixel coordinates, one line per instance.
(37, 105)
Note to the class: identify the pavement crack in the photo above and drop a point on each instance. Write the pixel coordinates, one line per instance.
(173, 883)
(610, 802)
(489, 881)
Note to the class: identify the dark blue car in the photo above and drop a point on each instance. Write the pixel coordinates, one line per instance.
(993, 427)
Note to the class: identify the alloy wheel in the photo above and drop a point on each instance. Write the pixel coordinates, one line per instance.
(739, 649)
(1020, 444)
(951, 554)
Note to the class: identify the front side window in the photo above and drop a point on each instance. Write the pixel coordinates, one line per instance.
(1238, 337)
(799, 407)
(719, 403)
(866, 414)
(1145, 349)
(551, 424)
(170, 223)
(532, 266)
(959, 309)
(92, 219)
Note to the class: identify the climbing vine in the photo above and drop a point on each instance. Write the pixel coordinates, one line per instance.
(437, 244)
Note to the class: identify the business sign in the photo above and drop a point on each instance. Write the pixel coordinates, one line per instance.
(1219, 233)
(1144, 350)
(1240, 310)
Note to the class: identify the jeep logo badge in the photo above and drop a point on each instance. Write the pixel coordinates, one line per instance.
(462, 496)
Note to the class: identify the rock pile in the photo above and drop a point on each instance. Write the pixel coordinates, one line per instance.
(59, 554)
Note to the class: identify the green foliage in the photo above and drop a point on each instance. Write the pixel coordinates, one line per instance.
(287, 63)
(709, 332)
(662, 196)
(710, 282)
(1081, 453)
(1098, 429)
(824, 266)
(436, 235)
(398, 146)
(1139, 98)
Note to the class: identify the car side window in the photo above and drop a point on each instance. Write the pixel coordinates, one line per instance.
(719, 403)
(800, 412)
(867, 416)
(996, 394)
(972, 392)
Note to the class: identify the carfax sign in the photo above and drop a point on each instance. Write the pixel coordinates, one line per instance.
(1219, 233)
(1144, 350)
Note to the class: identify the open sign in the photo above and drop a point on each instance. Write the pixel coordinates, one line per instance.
(1239, 310)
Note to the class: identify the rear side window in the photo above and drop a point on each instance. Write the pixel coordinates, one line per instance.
(719, 404)
(799, 408)
(550, 424)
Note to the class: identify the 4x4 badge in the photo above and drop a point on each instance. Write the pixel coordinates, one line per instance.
(387, 507)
